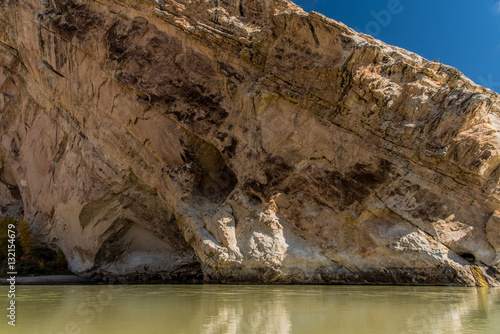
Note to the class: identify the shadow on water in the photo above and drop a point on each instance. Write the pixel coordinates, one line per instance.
(254, 309)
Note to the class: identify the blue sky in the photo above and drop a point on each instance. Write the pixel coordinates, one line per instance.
(462, 33)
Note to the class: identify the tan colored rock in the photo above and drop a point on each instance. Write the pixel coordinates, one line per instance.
(493, 230)
(245, 141)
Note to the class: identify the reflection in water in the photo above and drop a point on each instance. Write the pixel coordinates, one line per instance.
(222, 309)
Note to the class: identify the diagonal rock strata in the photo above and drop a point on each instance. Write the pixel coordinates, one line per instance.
(243, 142)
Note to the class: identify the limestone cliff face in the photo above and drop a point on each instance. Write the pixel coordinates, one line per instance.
(243, 141)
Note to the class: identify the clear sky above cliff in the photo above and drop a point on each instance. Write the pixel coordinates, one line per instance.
(462, 33)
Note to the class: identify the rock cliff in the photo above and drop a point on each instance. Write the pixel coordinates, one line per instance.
(243, 141)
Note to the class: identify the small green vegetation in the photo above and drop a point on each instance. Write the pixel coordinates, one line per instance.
(30, 258)
(479, 276)
(453, 82)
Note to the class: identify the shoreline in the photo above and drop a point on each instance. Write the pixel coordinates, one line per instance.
(78, 280)
(50, 280)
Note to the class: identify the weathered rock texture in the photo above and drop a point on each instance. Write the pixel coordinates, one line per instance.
(243, 141)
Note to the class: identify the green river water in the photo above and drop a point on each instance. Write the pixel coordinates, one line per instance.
(225, 309)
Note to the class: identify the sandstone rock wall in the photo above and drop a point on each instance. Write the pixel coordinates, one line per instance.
(243, 141)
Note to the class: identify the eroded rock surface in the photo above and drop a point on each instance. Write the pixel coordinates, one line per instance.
(243, 141)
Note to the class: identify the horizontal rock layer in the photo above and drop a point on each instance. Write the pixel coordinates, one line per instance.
(243, 142)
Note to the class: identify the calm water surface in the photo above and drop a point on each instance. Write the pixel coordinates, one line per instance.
(239, 309)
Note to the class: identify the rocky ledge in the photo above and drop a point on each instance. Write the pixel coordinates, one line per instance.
(243, 141)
